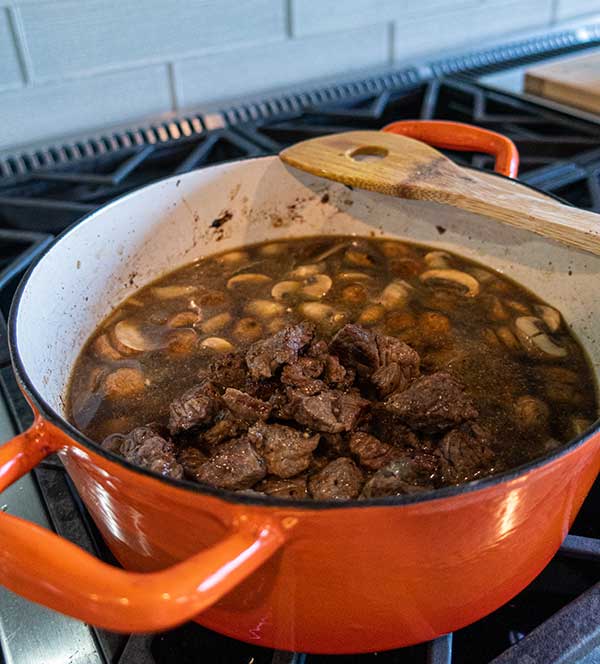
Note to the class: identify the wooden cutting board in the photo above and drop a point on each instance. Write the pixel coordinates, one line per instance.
(574, 81)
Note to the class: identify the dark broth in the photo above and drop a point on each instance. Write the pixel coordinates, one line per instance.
(504, 342)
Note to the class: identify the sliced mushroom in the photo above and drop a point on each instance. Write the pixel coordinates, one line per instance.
(549, 315)
(358, 257)
(124, 383)
(519, 307)
(434, 327)
(482, 276)
(496, 310)
(184, 319)
(134, 302)
(395, 294)
(172, 292)
(304, 271)
(438, 259)
(217, 344)
(233, 258)
(353, 276)
(396, 250)
(507, 338)
(248, 280)
(316, 286)
(128, 338)
(285, 289)
(534, 340)
(490, 337)
(322, 314)
(216, 323)
(400, 321)
(264, 308)
(330, 252)
(247, 330)
(372, 314)
(531, 414)
(104, 350)
(182, 342)
(465, 281)
(273, 249)
(579, 425)
(354, 294)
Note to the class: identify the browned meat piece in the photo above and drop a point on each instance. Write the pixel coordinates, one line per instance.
(317, 348)
(391, 429)
(432, 403)
(405, 474)
(191, 459)
(465, 454)
(339, 480)
(266, 356)
(334, 445)
(227, 370)
(226, 428)
(146, 448)
(198, 406)
(303, 373)
(286, 451)
(244, 406)
(369, 353)
(371, 452)
(113, 442)
(356, 348)
(391, 378)
(330, 411)
(292, 488)
(337, 375)
(235, 465)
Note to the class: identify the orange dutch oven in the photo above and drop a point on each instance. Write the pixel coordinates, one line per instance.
(324, 577)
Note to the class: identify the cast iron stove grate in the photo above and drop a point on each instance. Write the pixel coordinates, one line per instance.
(556, 618)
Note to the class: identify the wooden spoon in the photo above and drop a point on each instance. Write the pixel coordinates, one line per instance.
(406, 168)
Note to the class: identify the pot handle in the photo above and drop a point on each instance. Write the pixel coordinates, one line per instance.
(463, 137)
(50, 570)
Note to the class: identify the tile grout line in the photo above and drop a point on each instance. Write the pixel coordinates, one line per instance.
(392, 42)
(174, 91)
(24, 56)
(288, 20)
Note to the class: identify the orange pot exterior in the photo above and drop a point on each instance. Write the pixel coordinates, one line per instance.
(329, 580)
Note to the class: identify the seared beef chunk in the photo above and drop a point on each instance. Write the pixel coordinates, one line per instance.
(228, 370)
(235, 465)
(244, 406)
(146, 448)
(195, 407)
(465, 454)
(330, 411)
(337, 375)
(293, 488)
(432, 403)
(264, 357)
(371, 453)
(303, 373)
(369, 353)
(339, 480)
(286, 451)
(191, 459)
(334, 445)
(390, 429)
(226, 428)
(405, 474)
(356, 348)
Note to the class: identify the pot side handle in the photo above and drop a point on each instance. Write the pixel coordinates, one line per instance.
(45, 568)
(463, 137)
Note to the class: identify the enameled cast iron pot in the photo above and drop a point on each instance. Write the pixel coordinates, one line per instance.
(312, 577)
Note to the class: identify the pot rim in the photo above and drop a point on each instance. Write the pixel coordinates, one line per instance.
(55, 418)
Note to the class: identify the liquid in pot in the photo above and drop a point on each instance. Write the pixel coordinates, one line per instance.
(411, 369)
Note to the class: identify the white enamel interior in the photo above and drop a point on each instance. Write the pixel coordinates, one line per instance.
(163, 226)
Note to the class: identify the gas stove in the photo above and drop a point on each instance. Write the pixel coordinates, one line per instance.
(557, 617)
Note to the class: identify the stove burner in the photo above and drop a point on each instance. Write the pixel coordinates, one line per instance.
(556, 616)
